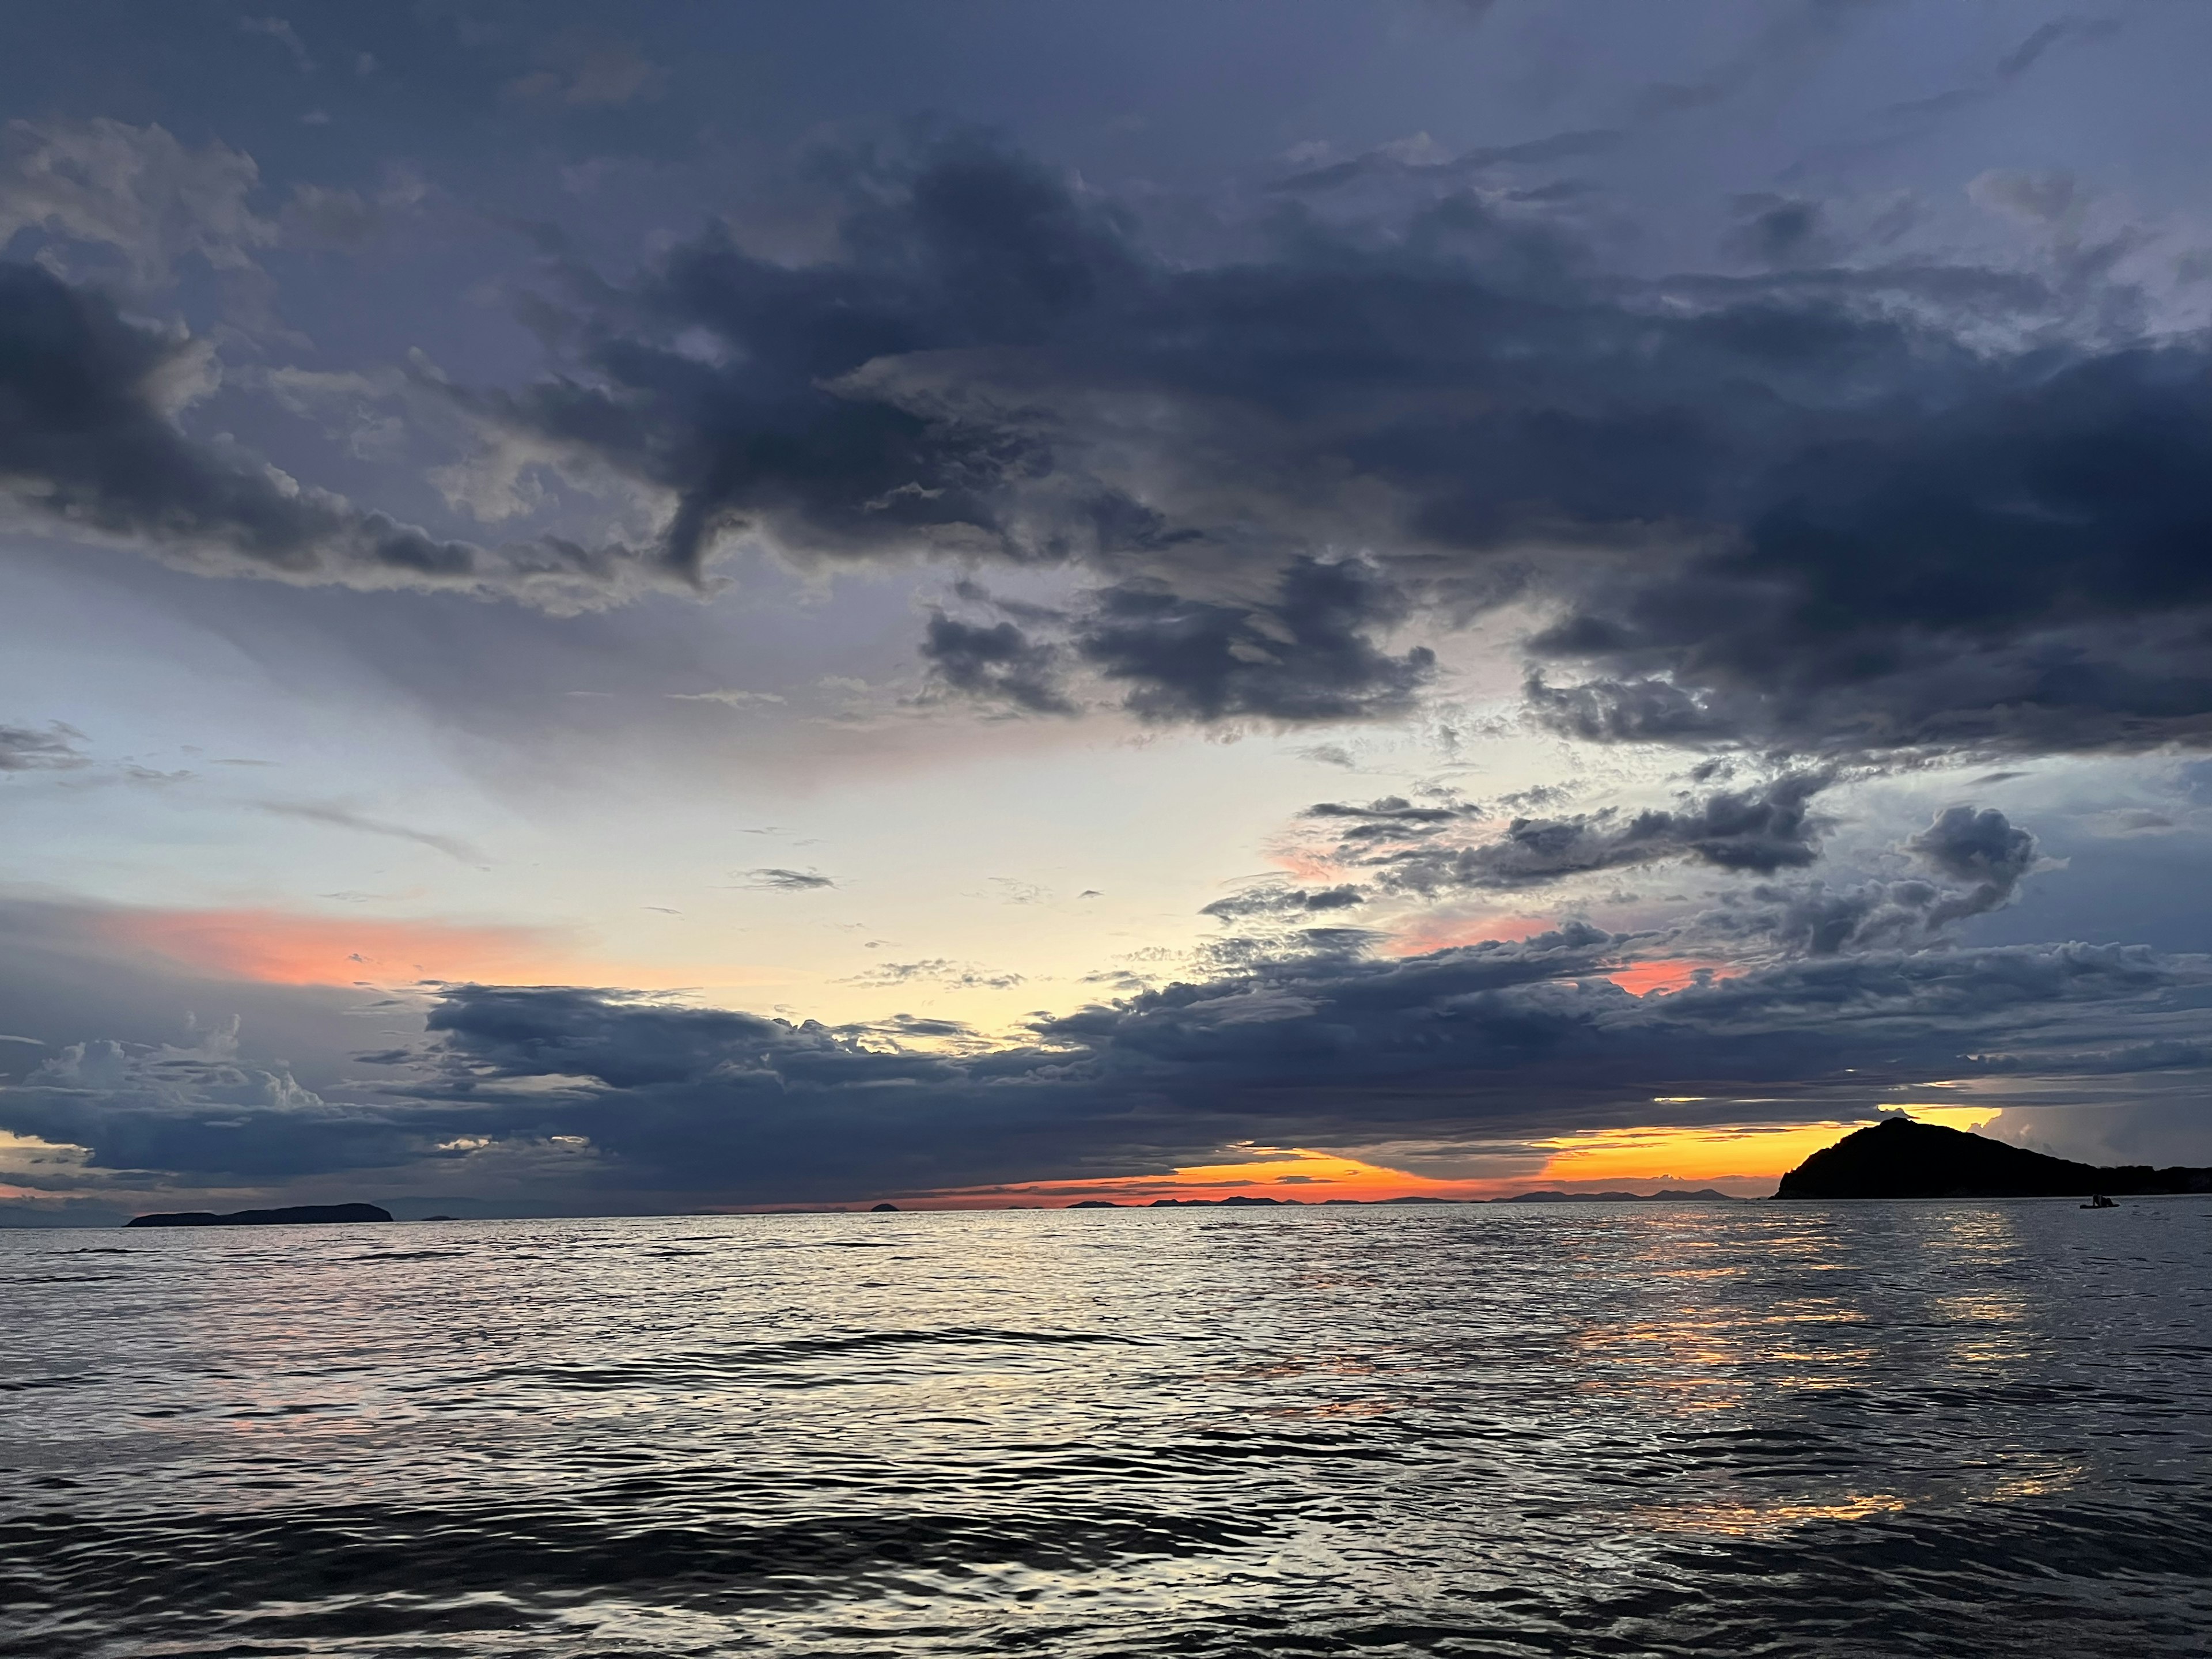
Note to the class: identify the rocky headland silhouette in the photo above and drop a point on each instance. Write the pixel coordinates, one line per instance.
(1899, 1157)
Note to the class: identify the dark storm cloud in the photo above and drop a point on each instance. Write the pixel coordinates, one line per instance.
(1801, 510)
(143, 1111)
(996, 663)
(1302, 652)
(762, 422)
(1643, 709)
(1461, 1030)
(1983, 851)
(912, 396)
(1272, 902)
(1760, 830)
(2025, 571)
(1975, 861)
(1306, 656)
(88, 447)
(1327, 1049)
(1985, 848)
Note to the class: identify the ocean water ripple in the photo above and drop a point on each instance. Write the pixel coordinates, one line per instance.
(1943, 1429)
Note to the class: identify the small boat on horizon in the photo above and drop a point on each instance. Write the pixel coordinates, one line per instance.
(2099, 1201)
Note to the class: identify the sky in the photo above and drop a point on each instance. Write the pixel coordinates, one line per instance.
(667, 608)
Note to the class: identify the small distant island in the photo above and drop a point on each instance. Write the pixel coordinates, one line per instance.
(297, 1215)
(1699, 1196)
(1234, 1199)
(1901, 1159)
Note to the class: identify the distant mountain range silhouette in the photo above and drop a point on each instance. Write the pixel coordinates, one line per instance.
(1898, 1157)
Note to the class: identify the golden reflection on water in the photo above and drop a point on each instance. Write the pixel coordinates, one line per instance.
(1703, 1346)
(1702, 1342)
(2040, 1479)
(2051, 1477)
(1764, 1520)
(1971, 1318)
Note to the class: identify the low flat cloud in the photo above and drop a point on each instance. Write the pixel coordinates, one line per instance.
(1432, 848)
(52, 748)
(774, 879)
(337, 815)
(940, 971)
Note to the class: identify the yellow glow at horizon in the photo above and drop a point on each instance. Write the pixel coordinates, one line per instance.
(1661, 1152)
(1680, 1154)
(1717, 1152)
(1287, 1172)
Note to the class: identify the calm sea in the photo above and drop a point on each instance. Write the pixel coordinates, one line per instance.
(1761, 1429)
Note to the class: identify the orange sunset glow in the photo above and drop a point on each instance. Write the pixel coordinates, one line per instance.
(1700, 1155)
(277, 948)
(1744, 1157)
(1639, 979)
(1308, 1176)
(1442, 932)
(1642, 979)
(1713, 1153)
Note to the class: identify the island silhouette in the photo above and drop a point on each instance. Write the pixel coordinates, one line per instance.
(294, 1216)
(1899, 1157)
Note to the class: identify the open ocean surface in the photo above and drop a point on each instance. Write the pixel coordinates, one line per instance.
(1760, 1428)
